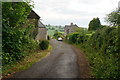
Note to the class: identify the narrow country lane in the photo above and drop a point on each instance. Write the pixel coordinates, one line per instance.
(61, 63)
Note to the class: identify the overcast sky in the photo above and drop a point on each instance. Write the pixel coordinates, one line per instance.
(80, 12)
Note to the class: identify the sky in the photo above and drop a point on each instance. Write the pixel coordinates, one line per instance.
(80, 12)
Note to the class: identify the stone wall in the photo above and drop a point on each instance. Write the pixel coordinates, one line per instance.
(42, 34)
(70, 29)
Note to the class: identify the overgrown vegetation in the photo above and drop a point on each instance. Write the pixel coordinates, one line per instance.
(102, 48)
(17, 37)
(44, 44)
(57, 35)
(16, 40)
(25, 63)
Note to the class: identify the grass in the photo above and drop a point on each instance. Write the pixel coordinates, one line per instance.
(52, 29)
(51, 32)
(7, 70)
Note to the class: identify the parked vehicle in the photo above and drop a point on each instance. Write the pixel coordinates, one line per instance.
(60, 39)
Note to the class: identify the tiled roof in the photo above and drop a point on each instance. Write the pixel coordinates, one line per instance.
(33, 15)
(41, 25)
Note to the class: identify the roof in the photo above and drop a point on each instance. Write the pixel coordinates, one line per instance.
(71, 25)
(41, 25)
(33, 15)
(67, 26)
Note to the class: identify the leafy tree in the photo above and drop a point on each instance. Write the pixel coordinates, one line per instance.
(15, 40)
(94, 24)
(15, 13)
(114, 18)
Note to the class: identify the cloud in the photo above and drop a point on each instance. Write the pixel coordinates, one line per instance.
(61, 12)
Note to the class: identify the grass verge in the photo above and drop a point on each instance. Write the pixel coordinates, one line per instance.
(8, 70)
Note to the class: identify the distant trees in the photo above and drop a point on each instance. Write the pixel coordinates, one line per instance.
(114, 18)
(94, 24)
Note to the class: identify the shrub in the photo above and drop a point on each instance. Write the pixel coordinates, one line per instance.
(105, 40)
(44, 44)
(58, 34)
(16, 44)
(72, 37)
(102, 49)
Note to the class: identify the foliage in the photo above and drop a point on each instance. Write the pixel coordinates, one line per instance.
(94, 24)
(102, 65)
(34, 33)
(102, 48)
(15, 13)
(16, 44)
(114, 18)
(16, 39)
(78, 37)
(106, 44)
(72, 37)
(24, 63)
(44, 44)
(57, 35)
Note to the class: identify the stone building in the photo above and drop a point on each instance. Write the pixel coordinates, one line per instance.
(40, 29)
(70, 28)
(42, 32)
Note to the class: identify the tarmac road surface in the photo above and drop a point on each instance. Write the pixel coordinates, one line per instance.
(61, 63)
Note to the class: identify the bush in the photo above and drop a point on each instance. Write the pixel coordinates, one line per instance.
(16, 44)
(57, 35)
(44, 44)
(105, 40)
(72, 38)
(102, 49)
(77, 38)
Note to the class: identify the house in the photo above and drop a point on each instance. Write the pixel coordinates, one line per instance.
(40, 30)
(33, 18)
(70, 28)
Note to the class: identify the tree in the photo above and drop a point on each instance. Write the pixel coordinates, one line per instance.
(15, 40)
(114, 18)
(94, 24)
(15, 13)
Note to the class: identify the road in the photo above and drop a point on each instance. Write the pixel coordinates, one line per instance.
(61, 63)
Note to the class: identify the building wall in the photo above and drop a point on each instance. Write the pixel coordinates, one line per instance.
(33, 21)
(70, 29)
(42, 34)
(30, 21)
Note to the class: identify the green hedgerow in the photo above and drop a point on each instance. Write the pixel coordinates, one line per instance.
(44, 44)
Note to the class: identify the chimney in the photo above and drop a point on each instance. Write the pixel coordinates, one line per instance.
(71, 24)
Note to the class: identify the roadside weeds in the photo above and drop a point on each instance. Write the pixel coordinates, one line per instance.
(9, 70)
